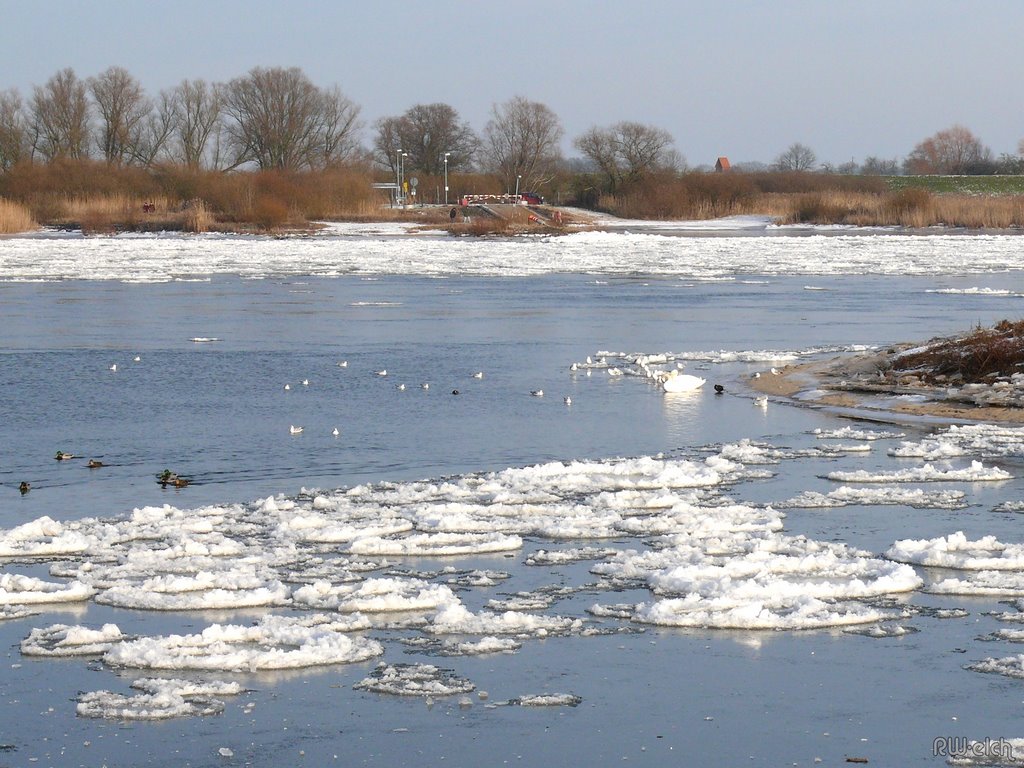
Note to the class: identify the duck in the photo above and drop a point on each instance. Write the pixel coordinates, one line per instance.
(455, 391)
(719, 389)
(382, 372)
(425, 385)
(401, 387)
(761, 402)
(287, 387)
(537, 392)
(478, 375)
(136, 359)
(166, 477)
(567, 400)
(305, 382)
(681, 382)
(62, 456)
(335, 432)
(24, 487)
(94, 464)
(295, 430)
(114, 367)
(343, 364)
(179, 482)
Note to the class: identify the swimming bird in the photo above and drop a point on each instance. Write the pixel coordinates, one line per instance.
(113, 367)
(136, 359)
(567, 400)
(681, 382)
(775, 371)
(167, 477)
(761, 402)
(455, 391)
(295, 430)
(287, 387)
(574, 367)
(24, 487)
(537, 392)
(425, 385)
(93, 464)
(343, 364)
(383, 372)
(401, 387)
(335, 432)
(614, 372)
(305, 382)
(179, 482)
(719, 389)
(478, 375)
(755, 375)
(62, 456)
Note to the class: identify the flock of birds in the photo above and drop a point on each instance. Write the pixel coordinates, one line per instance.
(671, 381)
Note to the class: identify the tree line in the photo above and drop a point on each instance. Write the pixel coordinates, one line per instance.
(277, 119)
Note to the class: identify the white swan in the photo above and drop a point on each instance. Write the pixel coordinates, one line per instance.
(681, 382)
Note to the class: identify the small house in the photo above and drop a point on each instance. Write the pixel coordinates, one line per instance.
(722, 165)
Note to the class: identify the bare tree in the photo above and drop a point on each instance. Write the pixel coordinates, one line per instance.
(522, 140)
(798, 157)
(628, 151)
(953, 151)
(59, 117)
(339, 132)
(13, 132)
(122, 107)
(426, 132)
(197, 113)
(876, 166)
(154, 135)
(277, 118)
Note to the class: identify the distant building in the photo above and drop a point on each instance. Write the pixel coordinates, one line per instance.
(722, 165)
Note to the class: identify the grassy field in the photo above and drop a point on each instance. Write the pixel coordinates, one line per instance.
(960, 185)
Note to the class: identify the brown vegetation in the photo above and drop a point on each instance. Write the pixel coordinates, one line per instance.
(983, 354)
(101, 197)
(14, 218)
(808, 198)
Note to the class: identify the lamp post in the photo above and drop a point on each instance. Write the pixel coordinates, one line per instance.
(402, 177)
(446, 177)
(398, 174)
(517, 188)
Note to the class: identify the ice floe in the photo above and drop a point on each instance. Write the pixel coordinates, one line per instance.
(956, 551)
(65, 640)
(987, 440)
(911, 497)
(414, 680)
(275, 642)
(977, 472)
(161, 699)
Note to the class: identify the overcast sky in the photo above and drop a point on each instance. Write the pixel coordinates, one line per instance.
(849, 78)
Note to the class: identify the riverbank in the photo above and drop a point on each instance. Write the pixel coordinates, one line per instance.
(874, 385)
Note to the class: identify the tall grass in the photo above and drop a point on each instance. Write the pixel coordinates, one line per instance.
(15, 218)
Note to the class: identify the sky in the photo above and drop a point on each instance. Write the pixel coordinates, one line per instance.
(740, 78)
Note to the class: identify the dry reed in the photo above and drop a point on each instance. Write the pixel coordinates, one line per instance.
(15, 218)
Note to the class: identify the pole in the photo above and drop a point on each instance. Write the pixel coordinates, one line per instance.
(398, 176)
(446, 177)
(517, 189)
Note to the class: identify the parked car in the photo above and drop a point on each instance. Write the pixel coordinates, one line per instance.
(531, 198)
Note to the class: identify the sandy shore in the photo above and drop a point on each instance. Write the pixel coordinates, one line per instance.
(851, 385)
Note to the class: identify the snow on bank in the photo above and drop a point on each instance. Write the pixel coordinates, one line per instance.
(168, 256)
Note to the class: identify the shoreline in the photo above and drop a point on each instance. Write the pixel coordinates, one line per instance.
(850, 385)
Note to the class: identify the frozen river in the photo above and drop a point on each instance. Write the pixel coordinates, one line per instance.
(493, 577)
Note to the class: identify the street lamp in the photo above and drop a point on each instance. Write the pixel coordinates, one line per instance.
(446, 177)
(402, 177)
(398, 175)
(517, 189)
